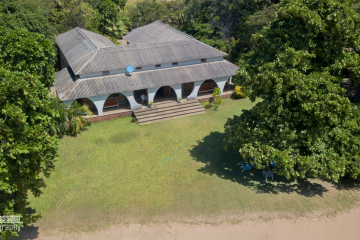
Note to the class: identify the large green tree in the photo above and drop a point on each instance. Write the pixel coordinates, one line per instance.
(112, 22)
(28, 150)
(68, 14)
(29, 14)
(304, 123)
(23, 51)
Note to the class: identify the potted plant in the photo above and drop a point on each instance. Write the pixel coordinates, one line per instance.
(180, 100)
(151, 104)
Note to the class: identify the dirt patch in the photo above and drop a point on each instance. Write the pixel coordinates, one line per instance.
(344, 225)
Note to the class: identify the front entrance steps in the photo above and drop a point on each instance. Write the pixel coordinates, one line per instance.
(168, 110)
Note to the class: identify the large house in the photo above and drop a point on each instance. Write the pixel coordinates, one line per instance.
(167, 64)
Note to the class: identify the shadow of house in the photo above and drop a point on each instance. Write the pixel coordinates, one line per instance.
(225, 164)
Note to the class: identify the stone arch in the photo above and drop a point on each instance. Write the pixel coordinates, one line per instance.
(174, 89)
(220, 83)
(187, 88)
(86, 101)
(120, 99)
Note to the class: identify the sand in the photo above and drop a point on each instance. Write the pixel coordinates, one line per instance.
(342, 226)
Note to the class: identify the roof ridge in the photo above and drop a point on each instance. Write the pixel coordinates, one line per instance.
(150, 43)
(180, 32)
(87, 61)
(153, 70)
(86, 37)
(174, 29)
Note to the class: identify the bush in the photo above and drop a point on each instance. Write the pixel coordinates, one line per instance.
(134, 120)
(239, 92)
(208, 106)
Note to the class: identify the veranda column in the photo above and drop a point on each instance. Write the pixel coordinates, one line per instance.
(177, 89)
(69, 102)
(221, 83)
(193, 95)
(99, 103)
(130, 97)
(151, 94)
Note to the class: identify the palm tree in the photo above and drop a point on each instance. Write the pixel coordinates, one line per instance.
(69, 120)
(76, 121)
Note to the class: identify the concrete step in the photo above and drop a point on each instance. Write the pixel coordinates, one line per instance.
(159, 111)
(169, 114)
(164, 119)
(167, 111)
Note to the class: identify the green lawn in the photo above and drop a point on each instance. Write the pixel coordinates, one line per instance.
(120, 172)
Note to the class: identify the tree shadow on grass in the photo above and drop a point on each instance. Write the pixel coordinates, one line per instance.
(225, 164)
(28, 231)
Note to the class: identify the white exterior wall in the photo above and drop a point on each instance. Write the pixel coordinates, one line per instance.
(99, 103)
(130, 97)
(221, 83)
(178, 91)
(147, 68)
(89, 75)
(214, 59)
(117, 71)
(194, 93)
(151, 93)
(69, 102)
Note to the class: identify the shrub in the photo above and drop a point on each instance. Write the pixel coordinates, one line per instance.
(239, 92)
(208, 106)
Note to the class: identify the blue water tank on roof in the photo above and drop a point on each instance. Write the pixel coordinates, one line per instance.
(130, 69)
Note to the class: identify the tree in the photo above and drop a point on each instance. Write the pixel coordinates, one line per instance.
(112, 23)
(205, 26)
(229, 16)
(27, 149)
(240, 44)
(217, 100)
(29, 14)
(146, 12)
(68, 14)
(68, 120)
(24, 51)
(117, 27)
(304, 123)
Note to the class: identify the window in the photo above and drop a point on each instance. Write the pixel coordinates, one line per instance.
(175, 63)
(105, 73)
(138, 68)
(203, 60)
(159, 65)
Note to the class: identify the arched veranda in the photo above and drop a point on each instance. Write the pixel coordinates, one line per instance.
(165, 93)
(116, 103)
(87, 102)
(206, 89)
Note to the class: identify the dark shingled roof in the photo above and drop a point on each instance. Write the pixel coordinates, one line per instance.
(64, 79)
(149, 54)
(67, 89)
(78, 45)
(155, 32)
(88, 52)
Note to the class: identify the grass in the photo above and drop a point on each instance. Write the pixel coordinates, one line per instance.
(121, 172)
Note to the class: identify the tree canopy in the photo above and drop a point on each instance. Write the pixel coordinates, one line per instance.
(29, 14)
(27, 148)
(24, 51)
(304, 123)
